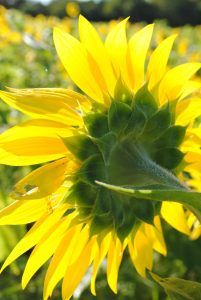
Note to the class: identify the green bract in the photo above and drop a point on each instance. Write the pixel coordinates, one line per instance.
(132, 145)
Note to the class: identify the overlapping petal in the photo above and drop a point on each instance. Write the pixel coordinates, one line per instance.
(33, 236)
(46, 247)
(65, 255)
(100, 63)
(141, 253)
(158, 61)
(115, 254)
(77, 270)
(33, 142)
(100, 255)
(117, 47)
(60, 105)
(173, 213)
(173, 83)
(138, 47)
(37, 185)
(75, 59)
(23, 212)
(187, 111)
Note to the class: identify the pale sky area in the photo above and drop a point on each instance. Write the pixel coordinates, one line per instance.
(42, 1)
(48, 1)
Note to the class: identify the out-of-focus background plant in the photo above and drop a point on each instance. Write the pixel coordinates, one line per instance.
(28, 59)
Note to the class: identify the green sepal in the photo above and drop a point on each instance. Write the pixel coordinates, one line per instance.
(134, 230)
(179, 289)
(168, 158)
(82, 194)
(126, 227)
(136, 123)
(124, 217)
(102, 218)
(97, 124)
(102, 203)
(122, 93)
(157, 208)
(118, 115)
(100, 224)
(144, 210)
(172, 137)
(105, 145)
(191, 199)
(157, 124)
(84, 213)
(92, 169)
(81, 146)
(145, 102)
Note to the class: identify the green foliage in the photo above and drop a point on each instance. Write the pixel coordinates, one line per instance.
(188, 198)
(179, 289)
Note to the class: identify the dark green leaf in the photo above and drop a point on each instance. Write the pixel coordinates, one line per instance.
(190, 199)
(179, 289)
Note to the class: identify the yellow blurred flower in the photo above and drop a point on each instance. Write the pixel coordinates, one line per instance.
(116, 157)
(72, 9)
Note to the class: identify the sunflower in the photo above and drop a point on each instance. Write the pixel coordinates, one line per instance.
(119, 158)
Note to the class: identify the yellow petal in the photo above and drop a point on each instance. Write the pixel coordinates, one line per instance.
(196, 232)
(173, 214)
(23, 212)
(193, 156)
(196, 133)
(34, 234)
(141, 253)
(155, 236)
(67, 253)
(53, 104)
(174, 81)
(187, 111)
(191, 219)
(37, 183)
(33, 142)
(189, 88)
(116, 45)
(90, 38)
(138, 47)
(158, 61)
(114, 257)
(45, 248)
(76, 271)
(66, 96)
(73, 55)
(100, 255)
(192, 149)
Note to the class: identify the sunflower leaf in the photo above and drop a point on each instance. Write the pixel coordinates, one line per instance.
(179, 289)
(191, 199)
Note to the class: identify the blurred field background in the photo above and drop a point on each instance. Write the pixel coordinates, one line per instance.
(28, 59)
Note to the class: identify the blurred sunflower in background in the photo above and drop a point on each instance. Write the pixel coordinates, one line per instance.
(120, 157)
